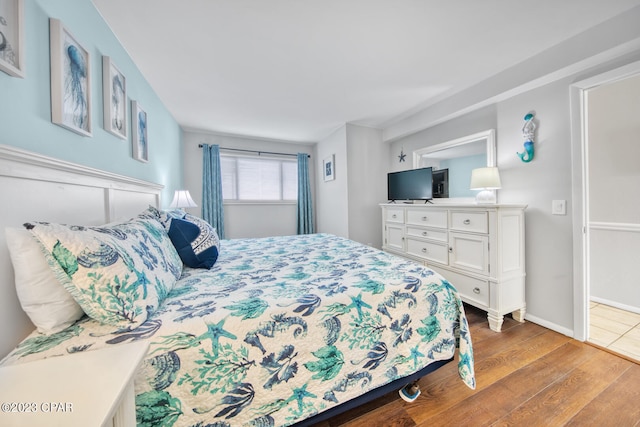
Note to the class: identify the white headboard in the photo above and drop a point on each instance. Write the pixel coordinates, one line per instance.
(39, 188)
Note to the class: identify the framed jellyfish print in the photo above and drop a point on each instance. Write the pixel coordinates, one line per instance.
(114, 94)
(12, 37)
(139, 132)
(70, 81)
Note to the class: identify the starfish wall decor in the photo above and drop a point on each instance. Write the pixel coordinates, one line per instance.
(402, 155)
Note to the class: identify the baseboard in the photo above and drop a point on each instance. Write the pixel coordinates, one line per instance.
(549, 325)
(615, 304)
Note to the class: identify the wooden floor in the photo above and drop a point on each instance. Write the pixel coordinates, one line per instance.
(526, 376)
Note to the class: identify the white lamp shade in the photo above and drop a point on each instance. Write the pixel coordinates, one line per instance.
(182, 199)
(485, 179)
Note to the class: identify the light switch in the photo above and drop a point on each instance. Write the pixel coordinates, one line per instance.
(559, 207)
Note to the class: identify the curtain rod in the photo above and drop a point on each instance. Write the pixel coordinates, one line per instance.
(256, 151)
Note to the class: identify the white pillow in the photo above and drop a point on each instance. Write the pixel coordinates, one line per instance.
(48, 304)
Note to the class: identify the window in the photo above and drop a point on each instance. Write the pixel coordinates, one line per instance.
(258, 178)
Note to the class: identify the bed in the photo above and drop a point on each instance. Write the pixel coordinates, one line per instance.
(279, 331)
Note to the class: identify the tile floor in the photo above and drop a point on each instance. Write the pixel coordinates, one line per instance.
(615, 329)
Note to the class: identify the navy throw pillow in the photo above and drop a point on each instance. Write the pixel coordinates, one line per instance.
(195, 240)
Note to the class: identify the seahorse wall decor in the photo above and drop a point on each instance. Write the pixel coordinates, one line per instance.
(528, 131)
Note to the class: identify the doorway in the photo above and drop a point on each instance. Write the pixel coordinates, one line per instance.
(605, 126)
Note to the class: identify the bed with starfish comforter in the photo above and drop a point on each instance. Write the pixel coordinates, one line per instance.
(279, 330)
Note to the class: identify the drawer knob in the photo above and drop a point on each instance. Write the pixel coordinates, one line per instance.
(466, 222)
(451, 249)
(424, 250)
(394, 216)
(424, 218)
(424, 233)
(476, 290)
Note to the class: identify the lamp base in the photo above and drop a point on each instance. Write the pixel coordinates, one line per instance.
(486, 197)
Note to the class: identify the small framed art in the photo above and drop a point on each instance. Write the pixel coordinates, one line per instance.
(328, 166)
(70, 81)
(139, 130)
(12, 37)
(114, 94)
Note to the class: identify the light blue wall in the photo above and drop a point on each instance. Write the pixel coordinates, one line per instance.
(460, 173)
(25, 104)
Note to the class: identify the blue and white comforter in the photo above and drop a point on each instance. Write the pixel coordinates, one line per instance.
(280, 329)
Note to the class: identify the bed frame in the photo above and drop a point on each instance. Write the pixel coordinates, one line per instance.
(39, 188)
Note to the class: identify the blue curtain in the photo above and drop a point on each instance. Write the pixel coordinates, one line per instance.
(212, 208)
(305, 208)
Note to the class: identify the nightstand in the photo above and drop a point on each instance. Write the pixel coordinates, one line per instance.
(91, 388)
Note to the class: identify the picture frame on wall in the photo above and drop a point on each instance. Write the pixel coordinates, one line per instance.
(70, 80)
(139, 125)
(114, 95)
(328, 167)
(12, 37)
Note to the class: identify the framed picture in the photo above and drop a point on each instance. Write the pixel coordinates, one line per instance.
(139, 131)
(12, 37)
(114, 94)
(70, 81)
(328, 166)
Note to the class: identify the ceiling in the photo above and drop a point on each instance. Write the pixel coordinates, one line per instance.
(297, 70)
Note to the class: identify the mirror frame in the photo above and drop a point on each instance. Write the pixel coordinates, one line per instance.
(489, 135)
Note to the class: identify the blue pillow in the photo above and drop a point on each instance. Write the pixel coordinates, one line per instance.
(195, 240)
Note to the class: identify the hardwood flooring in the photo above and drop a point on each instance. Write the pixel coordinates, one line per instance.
(526, 376)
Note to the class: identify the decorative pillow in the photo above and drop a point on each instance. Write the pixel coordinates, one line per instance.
(48, 304)
(164, 217)
(118, 274)
(195, 240)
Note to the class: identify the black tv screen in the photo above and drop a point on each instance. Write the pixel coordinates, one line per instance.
(413, 184)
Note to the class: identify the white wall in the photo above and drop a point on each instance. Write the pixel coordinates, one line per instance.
(244, 220)
(348, 205)
(614, 191)
(332, 208)
(549, 238)
(367, 162)
(468, 124)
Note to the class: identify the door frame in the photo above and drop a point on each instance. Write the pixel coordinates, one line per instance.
(580, 185)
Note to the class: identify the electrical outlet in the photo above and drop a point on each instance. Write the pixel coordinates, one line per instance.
(559, 207)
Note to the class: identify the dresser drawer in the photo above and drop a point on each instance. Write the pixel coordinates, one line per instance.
(477, 222)
(428, 233)
(427, 217)
(395, 215)
(428, 250)
(472, 290)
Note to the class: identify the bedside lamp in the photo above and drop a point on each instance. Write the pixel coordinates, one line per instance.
(182, 199)
(487, 180)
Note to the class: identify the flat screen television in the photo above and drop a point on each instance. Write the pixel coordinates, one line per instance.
(413, 184)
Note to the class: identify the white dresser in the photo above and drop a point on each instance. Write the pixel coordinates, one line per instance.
(479, 249)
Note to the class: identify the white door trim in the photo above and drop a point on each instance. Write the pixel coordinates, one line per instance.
(580, 185)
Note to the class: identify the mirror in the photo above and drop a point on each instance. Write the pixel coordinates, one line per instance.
(453, 161)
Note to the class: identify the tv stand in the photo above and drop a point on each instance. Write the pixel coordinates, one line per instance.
(410, 202)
